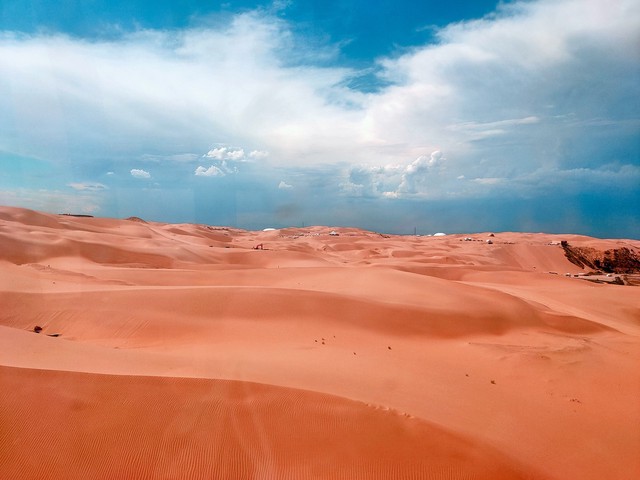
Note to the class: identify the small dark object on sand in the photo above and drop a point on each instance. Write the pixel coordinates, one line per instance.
(37, 329)
(53, 334)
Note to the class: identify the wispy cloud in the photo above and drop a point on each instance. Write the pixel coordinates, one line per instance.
(54, 201)
(87, 186)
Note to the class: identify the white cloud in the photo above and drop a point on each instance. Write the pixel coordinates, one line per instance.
(87, 186)
(418, 178)
(219, 168)
(422, 174)
(284, 185)
(217, 153)
(138, 173)
(500, 95)
(478, 131)
(547, 84)
(258, 154)
(235, 155)
(489, 180)
(212, 171)
(157, 91)
(225, 153)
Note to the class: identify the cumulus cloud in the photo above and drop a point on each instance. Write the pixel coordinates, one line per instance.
(212, 171)
(219, 167)
(226, 153)
(218, 153)
(417, 178)
(370, 180)
(138, 173)
(284, 185)
(235, 154)
(495, 87)
(421, 174)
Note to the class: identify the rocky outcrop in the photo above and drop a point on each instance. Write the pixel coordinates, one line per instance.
(617, 260)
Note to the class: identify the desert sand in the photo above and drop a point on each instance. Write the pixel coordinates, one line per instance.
(182, 351)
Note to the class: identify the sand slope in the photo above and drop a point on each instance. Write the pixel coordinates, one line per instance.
(183, 352)
(96, 426)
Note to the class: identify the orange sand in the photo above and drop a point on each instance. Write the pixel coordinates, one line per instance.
(185, 353)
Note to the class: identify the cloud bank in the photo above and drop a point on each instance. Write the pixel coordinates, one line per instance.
(539, 93)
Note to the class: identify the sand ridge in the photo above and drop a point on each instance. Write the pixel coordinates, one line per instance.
(447, 345)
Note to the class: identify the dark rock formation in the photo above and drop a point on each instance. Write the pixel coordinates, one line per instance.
(617, 260)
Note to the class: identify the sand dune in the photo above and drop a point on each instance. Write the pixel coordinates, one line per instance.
(184, 352)
(147, 427)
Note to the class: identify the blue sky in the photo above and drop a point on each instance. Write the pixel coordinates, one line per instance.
(444, 116)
